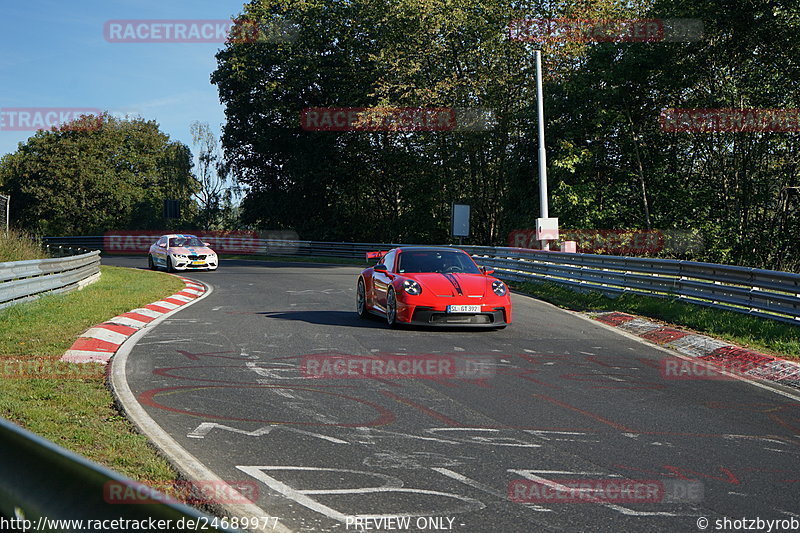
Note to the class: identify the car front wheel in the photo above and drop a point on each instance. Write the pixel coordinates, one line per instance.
(361, 299)
(391, 309)
(150, 264)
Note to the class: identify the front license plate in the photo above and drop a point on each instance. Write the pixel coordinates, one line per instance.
(463, 308)
(198, 262)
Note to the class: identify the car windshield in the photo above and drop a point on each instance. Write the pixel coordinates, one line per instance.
(180, 242)
(436, 261)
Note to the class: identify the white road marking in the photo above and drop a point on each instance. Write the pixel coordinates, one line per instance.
(485, 488)
(529, 474)
(205, 428)
(391, 484)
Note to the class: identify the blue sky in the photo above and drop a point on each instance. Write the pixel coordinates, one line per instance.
(55, 55)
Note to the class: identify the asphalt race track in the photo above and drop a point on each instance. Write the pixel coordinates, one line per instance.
(559, 401)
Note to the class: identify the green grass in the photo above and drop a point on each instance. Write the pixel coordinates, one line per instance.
(72, 406)
(19, 246)
(782, 340)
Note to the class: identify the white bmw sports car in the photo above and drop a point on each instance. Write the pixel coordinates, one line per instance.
(181, 252)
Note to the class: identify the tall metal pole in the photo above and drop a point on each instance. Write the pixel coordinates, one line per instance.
(543, 207)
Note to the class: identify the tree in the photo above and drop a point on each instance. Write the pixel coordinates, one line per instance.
(97, 174)
(369, 53)
(214, 195)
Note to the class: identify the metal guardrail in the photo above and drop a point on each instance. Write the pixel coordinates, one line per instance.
(47, 485)
(22, 281)
(764, 293)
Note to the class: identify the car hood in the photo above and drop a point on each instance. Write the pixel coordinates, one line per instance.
(452, 284)
(191, 250)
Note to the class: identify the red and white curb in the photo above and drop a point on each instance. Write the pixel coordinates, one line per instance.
(99, 343)
(720, 354)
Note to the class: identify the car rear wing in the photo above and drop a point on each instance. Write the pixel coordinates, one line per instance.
(376, 255)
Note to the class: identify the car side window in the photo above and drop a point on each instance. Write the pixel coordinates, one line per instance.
(162, 240)
(388, 260)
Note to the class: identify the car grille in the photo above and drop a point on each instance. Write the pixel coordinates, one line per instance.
(447, 318)
(196, 257)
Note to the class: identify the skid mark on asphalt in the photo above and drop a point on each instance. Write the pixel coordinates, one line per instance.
(461, 431)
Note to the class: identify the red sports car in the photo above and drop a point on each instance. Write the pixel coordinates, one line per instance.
(434, 287)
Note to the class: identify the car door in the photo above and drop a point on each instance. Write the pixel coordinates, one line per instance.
(160, 252)
(382, 280)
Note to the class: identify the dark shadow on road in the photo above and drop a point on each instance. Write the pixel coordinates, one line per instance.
(350, 318)
(325, 318)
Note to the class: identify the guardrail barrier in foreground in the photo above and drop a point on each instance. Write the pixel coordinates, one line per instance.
(47, 488)
(22, 281)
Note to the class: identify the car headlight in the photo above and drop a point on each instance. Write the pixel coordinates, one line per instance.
(411, 287)
(179, 256)
(499, 287)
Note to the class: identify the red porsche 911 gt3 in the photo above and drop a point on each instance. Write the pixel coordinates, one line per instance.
(432, 286)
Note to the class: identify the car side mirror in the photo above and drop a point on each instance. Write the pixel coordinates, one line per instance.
(162, 244)
(380, 268)
(207, 245)
(487, 271)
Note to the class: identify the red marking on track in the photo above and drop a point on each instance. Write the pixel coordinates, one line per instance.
(739, 359)
(664, 335)
(137, 316)
(759, 407)
(118, 328)
(525, 374)
(197, 356)
(537, 359)
(174, 301)
(594, 359)
(149, 398)
(649, 362)
(90, 344)
(166, 372)
(187, 294)
(591, 415)
(425, 410)
(615, 319)
(157, 308)
(786, 424)
(616, 385)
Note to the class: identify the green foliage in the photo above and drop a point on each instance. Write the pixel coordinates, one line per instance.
(94, 175)
(733, 190)
(387, 186)
(17, 245)
(611, 165)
